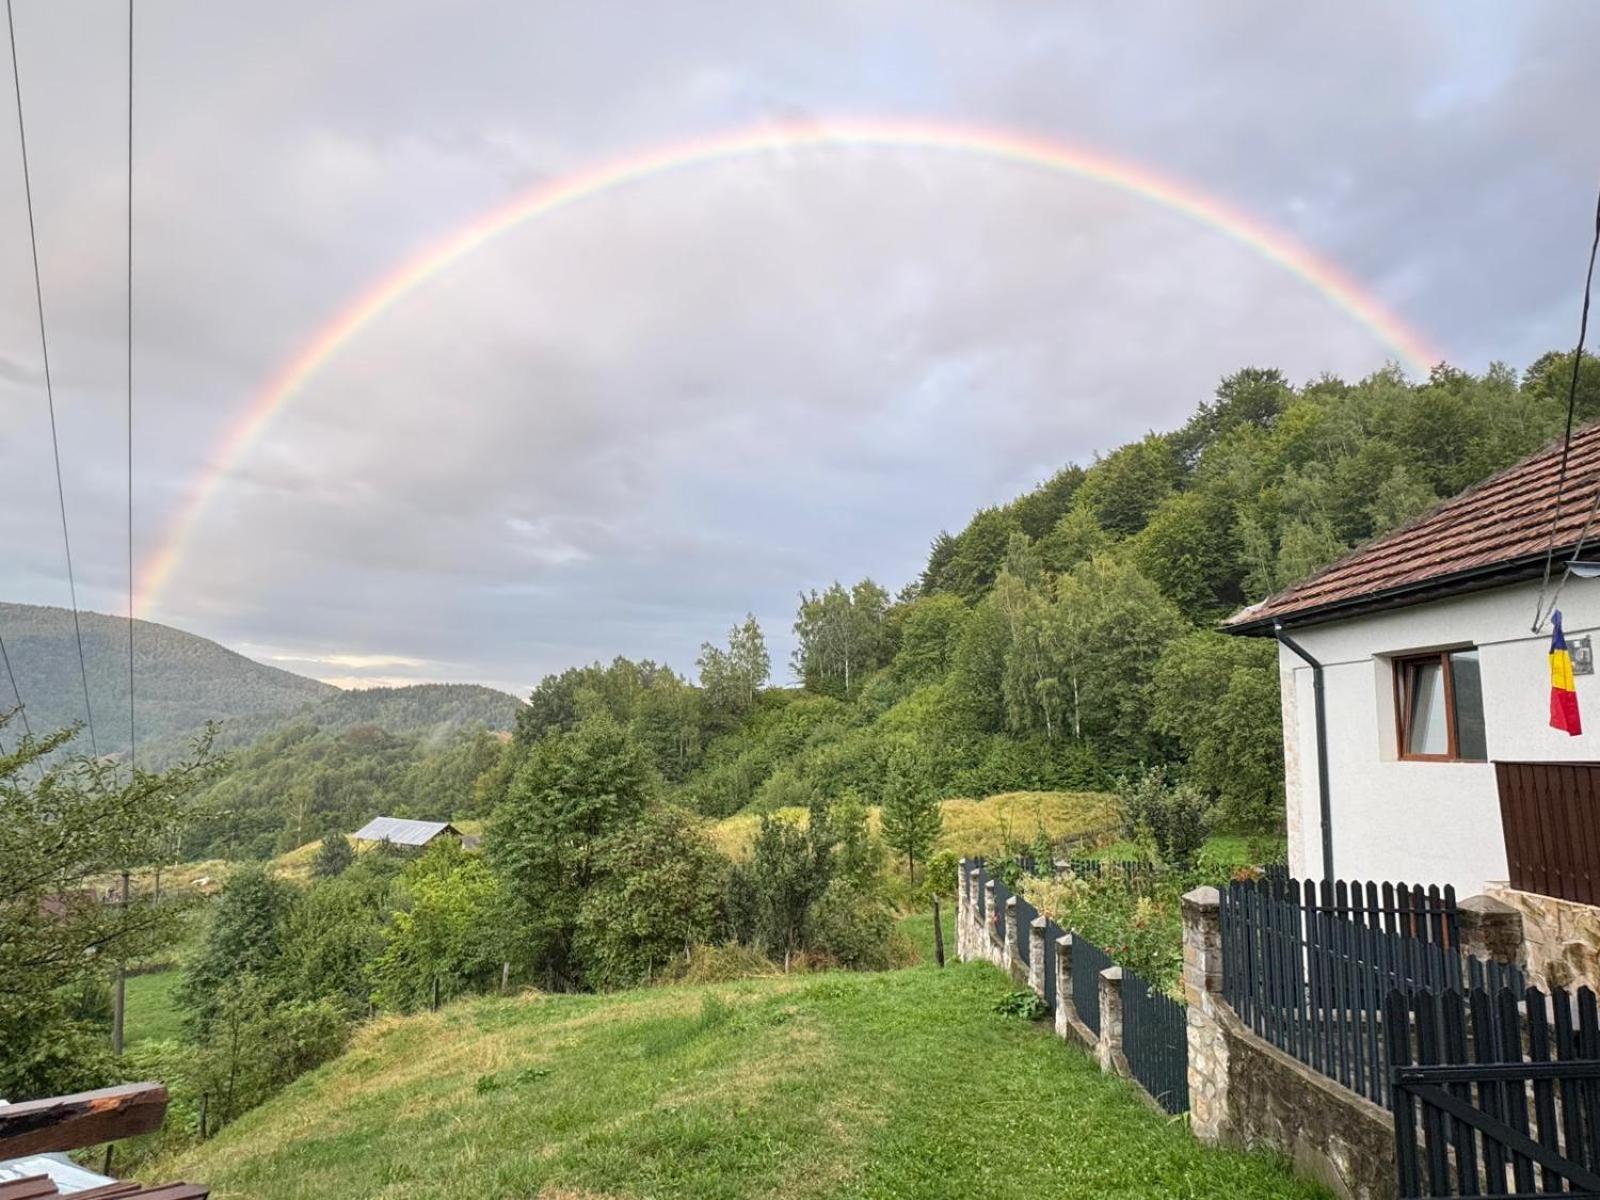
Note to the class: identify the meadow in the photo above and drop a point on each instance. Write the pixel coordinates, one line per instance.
(900, 1084)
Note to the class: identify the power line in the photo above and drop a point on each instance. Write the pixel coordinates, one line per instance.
(27, 729)
(1540, 613)
(49, 390)
(132, 738)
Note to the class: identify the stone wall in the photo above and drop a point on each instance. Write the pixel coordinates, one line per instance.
(1560, 938)
(1244, 1091)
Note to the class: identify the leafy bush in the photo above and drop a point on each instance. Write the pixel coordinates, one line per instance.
(1024, 1003)
(1173, 819)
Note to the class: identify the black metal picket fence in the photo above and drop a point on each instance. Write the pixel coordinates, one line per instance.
(1496, 1093)
(1308, 970)
(1155, 1041)
(1026, 914)
(1154, 1029)
(1088, 960)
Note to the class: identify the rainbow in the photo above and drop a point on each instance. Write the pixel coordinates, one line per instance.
(553, 196)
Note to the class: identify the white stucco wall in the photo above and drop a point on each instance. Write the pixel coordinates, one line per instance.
(1424, 822)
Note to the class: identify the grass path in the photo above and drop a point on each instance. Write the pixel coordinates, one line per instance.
(153, 1013)
(904, 1084)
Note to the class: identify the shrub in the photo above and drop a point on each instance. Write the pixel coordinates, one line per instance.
(1024, 1003)
(1173, 819)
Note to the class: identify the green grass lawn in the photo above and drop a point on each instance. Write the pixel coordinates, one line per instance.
(152, 1012)
(919, 928)
(902, 1084)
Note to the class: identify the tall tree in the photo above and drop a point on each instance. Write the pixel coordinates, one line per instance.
(912, 816)
(574, 789)
(65, 821)
(841, 637)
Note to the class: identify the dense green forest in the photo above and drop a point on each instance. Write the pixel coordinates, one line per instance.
(1068, 637)
(183, 680)
(305, 781)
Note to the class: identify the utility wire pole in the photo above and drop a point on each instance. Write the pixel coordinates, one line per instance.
(119, 994)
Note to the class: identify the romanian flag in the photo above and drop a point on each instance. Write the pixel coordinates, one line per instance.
(1563, 691)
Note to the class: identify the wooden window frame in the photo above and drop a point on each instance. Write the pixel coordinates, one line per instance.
(1401, 665)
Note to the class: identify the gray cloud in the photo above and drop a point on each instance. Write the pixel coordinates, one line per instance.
(617, 429)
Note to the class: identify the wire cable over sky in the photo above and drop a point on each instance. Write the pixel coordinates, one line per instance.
(49, 390)
(1541, 613)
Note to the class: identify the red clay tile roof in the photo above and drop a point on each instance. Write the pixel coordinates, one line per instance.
(1495, 532)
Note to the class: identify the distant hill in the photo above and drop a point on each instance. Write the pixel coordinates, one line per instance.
(180, 680)
(429, 712)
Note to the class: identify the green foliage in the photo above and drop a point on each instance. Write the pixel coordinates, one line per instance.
(246, 936)
(911, 815)
(841, 637)
(306, 782)
(1024, 1003)
(449, 933)
(658, 894)
(1217, 698)
(1174, 818)
(334, 857)
(573, 790)
(333, 932)
(731, 679)
(67, 819)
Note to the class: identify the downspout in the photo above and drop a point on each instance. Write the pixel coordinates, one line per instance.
(1319, 702)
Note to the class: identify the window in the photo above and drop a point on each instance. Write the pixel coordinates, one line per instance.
(1439, 707)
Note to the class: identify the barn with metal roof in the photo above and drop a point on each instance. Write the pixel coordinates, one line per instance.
(398, 831)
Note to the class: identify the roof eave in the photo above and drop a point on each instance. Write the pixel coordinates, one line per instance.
(1437, 587)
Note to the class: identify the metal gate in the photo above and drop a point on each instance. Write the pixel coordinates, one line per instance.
(1495, 1094)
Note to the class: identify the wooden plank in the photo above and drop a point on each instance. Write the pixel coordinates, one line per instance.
(1434, 1132)
(1571, 1106)
(1491, 1096)
(1397, 1024)
(85, 1119)
(1589, 1047)
(1544, 1099)
(1509, 1049)
(1463, 1141)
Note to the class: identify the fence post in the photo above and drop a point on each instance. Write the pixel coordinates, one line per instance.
(1491, 929)
(985, 942)
(1036, 936)
(961, 909)
(1109, 1049)
(938, 932)
(1202, 989)
(973, 925)
(1063, 985)
(1011, 952)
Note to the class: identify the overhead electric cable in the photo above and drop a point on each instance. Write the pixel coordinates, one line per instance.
(132, 733)
(1541, 612)
(49, 390)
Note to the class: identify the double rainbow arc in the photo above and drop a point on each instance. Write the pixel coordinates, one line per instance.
(547, 198)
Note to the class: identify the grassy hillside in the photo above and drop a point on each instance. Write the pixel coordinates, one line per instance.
(971, 827)
(182, 680)
(904, 1084)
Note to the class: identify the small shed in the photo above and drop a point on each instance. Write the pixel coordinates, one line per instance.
(398, 831)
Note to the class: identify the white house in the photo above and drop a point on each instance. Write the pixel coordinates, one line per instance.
(1435, 688)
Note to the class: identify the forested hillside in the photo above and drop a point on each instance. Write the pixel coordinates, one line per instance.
(1068, 637)
(305, 781)
(182, 680)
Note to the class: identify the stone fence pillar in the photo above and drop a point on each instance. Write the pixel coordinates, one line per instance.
(963, 899)
(1109, 1049)
(1492, 929)
(986, 944)
(974, 921)
(1036, 940)
(1011, 953)
(1202, 989)
(1063, 984)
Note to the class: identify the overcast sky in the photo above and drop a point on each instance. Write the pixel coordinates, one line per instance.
(617, 429)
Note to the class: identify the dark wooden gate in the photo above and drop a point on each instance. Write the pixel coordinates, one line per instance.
(1550, 813)
(1493, 1098)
